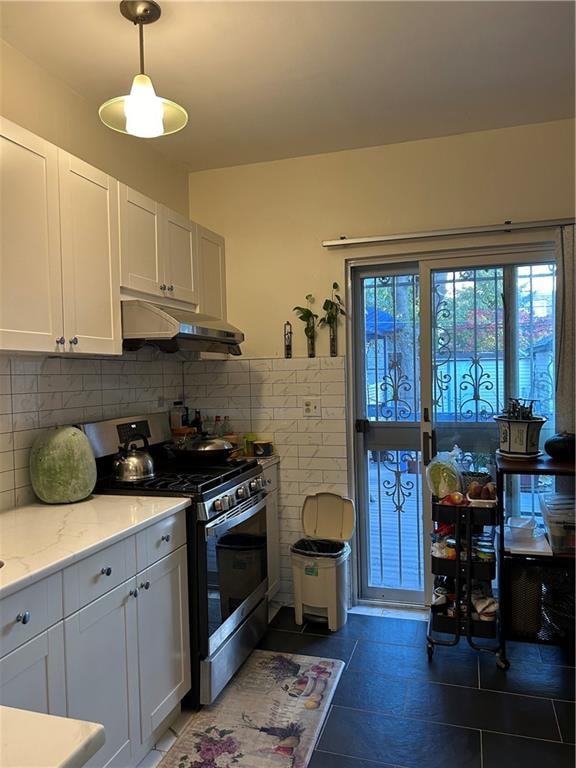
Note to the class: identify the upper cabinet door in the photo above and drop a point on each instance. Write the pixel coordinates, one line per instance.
(212, 273)
(141, 266)
(90, 264)
(179, 251)
(30, 268)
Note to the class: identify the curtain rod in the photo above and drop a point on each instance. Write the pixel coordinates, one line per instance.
(507, 226)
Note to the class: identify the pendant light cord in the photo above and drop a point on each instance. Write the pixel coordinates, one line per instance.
(141, 35)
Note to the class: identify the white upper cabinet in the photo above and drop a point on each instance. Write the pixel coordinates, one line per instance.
(90, 265)
(180, 262)
(30, 263)
(212, 273)
(158, 249)
(142, 268)
(59, 272)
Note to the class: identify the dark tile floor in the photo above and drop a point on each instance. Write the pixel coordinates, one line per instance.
(394, 709)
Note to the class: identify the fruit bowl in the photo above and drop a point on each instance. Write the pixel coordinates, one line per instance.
(486, 503)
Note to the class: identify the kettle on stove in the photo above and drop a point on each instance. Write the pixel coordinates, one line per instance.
(132, 464)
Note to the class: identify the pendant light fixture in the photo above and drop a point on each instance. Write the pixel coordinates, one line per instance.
(142, 113)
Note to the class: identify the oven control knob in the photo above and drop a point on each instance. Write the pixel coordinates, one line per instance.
(254, 486)
(225, 500)
(218, 505)
(241, 492)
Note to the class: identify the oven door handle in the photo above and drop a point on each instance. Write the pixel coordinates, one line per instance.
(217, 528)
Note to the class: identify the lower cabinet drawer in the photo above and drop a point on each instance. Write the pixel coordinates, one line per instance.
(160, 539)
(30, 611)
(97, 574)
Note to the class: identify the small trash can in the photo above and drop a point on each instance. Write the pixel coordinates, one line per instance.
(320, 561)
(241, 568)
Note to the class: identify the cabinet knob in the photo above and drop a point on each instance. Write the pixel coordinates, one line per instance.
(74, 340)
(166, 537)
(23, 618)
(133, 593)
(61, 341)
(145, 585)
(170, 288)
(163, 287)
(106, 571)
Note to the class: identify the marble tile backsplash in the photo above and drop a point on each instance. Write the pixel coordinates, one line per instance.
(265, 396)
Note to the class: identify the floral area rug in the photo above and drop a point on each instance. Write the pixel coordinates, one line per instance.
(269, 716)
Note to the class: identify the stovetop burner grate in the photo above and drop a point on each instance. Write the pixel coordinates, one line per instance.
(195, 482)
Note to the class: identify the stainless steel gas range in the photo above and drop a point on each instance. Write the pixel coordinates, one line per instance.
(226, 543)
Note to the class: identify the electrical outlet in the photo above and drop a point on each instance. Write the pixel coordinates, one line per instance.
(312, 408)
(161, 402)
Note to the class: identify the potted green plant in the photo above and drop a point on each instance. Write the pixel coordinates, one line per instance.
(309, 319)
(333, 308)
(519, 429)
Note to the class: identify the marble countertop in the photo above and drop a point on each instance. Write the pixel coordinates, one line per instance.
(269, 461)
(34, 740)
(37, 540)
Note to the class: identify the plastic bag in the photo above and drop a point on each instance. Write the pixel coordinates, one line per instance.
(443, 475)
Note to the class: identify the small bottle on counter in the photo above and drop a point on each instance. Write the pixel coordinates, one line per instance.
(197, 422)
(218, 426)
(227, 426)
(178, 415)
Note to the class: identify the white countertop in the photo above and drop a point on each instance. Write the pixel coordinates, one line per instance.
(34, 740)
(269, 461)
(39, 539)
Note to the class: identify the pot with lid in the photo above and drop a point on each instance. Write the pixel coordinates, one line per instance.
(133, 464)
(202, 448)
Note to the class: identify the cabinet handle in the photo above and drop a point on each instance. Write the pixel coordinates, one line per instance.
(165, 538)
(74, 340)
(61, 341)
(170, 288)
(133, 593)
(163, 287)
(106, 571)
(145, 585)
(23, 618)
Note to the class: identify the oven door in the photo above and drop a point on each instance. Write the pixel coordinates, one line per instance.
(236, 575)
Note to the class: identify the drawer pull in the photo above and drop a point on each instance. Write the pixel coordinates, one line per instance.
(145, 585)
(166, 537)
(23, 618)
(133, 593)
(106, 571)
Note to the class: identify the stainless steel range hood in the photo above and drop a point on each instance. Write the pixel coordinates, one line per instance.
(171, 329)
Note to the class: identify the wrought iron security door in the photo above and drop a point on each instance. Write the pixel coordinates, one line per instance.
(440, 346)
(389, 477)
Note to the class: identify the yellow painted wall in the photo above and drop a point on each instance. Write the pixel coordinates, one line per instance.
(33, 98)
(275, 215)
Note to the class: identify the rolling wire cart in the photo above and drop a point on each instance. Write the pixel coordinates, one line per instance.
(466, 571)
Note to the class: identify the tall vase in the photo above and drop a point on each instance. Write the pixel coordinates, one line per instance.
(333, 340)
(311, 337)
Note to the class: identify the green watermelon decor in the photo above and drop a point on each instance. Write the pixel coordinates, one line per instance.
(62, 466)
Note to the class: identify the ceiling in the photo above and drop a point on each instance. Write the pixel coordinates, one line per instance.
(270, 80)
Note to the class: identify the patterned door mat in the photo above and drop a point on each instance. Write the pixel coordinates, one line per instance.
(269, 716)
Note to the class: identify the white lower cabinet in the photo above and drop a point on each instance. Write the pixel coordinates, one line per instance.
(163, 639)
(128, 658)
(32, 676)
(102, 672)
(270, 478)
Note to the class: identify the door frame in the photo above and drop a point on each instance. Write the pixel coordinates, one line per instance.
(437, 253)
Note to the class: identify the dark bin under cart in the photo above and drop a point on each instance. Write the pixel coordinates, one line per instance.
(468, 574)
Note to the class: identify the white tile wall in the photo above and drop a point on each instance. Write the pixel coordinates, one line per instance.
(265, 396)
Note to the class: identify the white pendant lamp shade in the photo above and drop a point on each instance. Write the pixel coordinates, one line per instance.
(141, 113)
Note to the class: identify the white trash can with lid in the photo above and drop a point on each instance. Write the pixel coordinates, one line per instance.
(320, 561)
